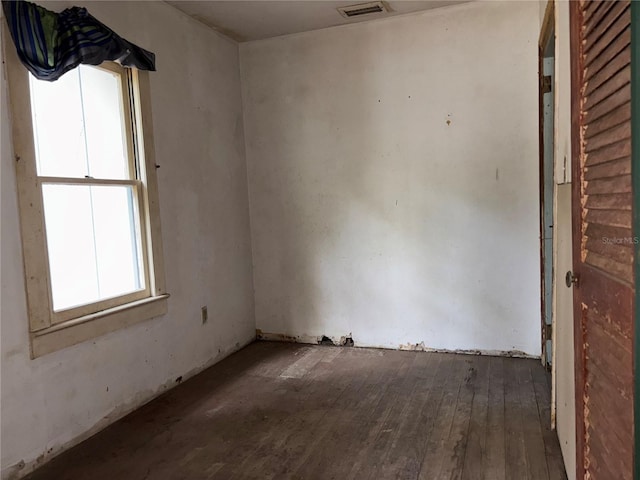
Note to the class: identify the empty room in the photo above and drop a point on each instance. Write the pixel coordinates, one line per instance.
(319, 239)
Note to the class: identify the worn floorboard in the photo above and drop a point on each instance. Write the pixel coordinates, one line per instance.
(285, 411)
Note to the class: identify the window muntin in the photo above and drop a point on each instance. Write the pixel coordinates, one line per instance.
(91, 190)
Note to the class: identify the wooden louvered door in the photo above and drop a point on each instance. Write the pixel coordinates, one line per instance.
(602, 237)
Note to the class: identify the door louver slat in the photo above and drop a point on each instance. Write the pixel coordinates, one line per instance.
(603, 237)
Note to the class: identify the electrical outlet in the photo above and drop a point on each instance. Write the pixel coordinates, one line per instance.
(205, 315)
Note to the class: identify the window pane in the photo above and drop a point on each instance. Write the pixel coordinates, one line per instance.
(103, 117)
(117, 233)
(78, 125)
(58, 128)
(92, 237)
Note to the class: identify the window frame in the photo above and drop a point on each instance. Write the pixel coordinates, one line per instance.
(50, 330)
(135, 181)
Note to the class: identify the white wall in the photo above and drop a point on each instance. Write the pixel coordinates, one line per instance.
(393, 179)
(563, 296)
(60, 398)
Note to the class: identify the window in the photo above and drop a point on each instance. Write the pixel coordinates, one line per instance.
(88, 202)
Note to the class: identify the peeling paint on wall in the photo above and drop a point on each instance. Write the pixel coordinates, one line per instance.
(347, 341)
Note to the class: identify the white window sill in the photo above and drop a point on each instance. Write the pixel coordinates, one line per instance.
(96, 324)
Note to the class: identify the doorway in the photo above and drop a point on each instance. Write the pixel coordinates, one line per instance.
(546, 95)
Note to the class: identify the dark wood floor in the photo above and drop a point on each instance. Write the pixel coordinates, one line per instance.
(285, 411)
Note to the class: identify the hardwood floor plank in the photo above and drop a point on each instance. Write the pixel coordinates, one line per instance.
(285, 411)
(310, 404)
(530, 419)
(399, 457)
(372, 427)
(477, 434)
(515, 454)
(405, 457)
(436, 452)
(459, 434)
(494, 461)
(394, 421)
(541, 384)
(323, 453)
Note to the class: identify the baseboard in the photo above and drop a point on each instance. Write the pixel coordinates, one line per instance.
(414, 347)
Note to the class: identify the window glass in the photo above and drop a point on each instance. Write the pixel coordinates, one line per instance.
(93, 243)
(106, 145)
(58, 127)
(78, 125)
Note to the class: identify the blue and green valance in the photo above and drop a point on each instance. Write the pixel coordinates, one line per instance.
(50, 44)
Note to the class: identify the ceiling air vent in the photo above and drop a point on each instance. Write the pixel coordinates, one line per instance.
(370, 8)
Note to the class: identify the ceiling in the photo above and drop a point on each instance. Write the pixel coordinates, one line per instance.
(245, 20)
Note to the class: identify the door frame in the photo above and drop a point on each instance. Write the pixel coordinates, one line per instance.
(546, 31)
(635, 188)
